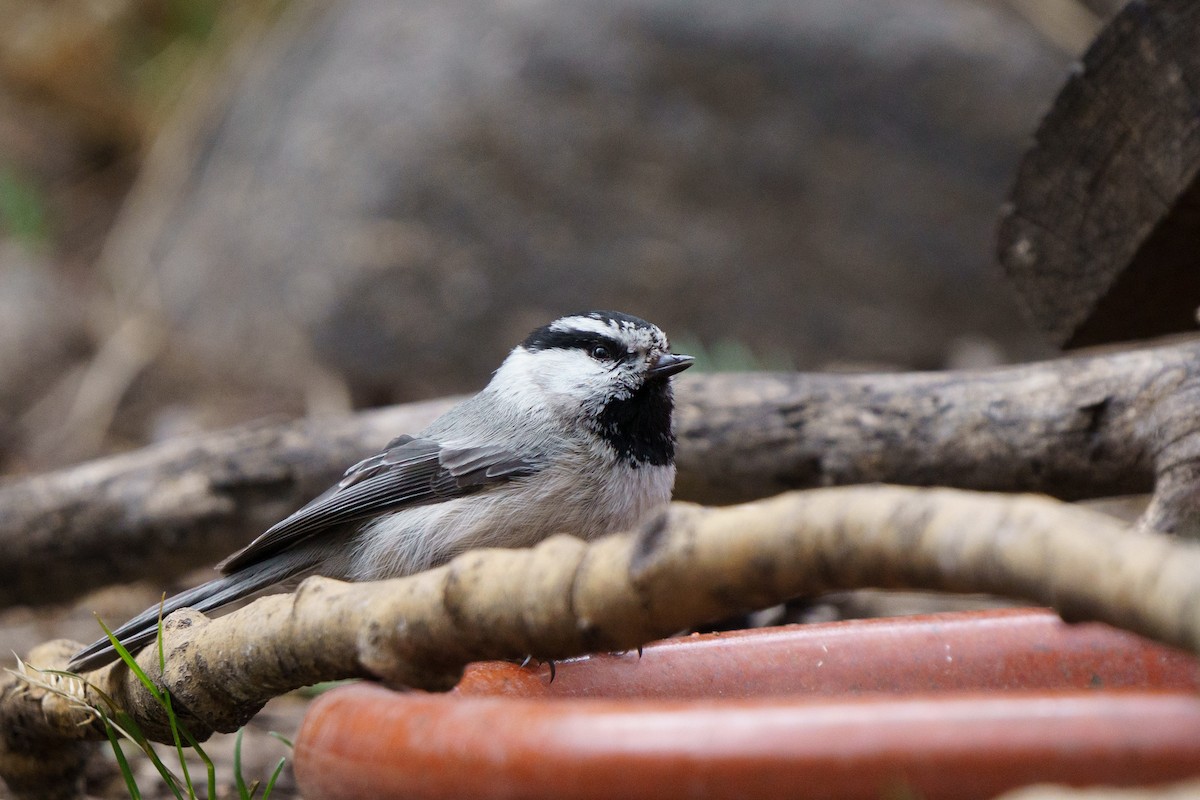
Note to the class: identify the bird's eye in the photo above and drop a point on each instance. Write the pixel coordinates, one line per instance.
(600, 353)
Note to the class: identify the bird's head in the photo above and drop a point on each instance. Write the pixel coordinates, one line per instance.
(607, 370)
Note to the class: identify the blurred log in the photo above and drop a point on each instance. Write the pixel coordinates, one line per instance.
(1103, 229)
(1074, 428)
(169, 508)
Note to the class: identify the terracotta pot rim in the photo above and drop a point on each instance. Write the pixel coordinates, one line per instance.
(957, 706)
(997, 650)
(382, 743)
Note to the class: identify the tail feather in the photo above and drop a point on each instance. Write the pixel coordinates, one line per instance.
(143, 629)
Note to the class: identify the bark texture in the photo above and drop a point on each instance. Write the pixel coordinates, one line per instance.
(1074, 428)
(565, 597)
(1103, 227)
(172, 507)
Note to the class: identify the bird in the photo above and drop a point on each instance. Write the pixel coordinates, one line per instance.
(572, 434)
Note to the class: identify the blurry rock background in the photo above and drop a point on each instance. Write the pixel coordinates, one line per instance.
(215, 211)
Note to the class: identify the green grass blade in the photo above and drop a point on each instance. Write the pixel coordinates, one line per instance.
(210, 768)
(274, 777)
(130, 662)
(170, 779)
(163, 699)
(158, 642)
(316, 689)
(238, 778)
(179, 733)
(177, 740)
(122, 762)
(283, 739)
(179, 736)
(23, 209)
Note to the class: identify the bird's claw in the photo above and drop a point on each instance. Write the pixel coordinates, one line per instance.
(548, 662)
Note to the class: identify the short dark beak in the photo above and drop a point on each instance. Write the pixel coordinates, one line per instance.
(668, 364)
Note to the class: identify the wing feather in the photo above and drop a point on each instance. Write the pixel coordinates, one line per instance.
(408, 472)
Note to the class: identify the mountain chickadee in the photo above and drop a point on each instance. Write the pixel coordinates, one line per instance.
(572, 435)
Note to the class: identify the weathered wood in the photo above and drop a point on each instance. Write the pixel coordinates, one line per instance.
(163, 510)
(1066, 427)
(566, 597)
(1073, 428)
(1103, 229)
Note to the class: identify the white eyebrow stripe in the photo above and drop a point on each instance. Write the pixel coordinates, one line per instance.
(585, 325)
(630, 335)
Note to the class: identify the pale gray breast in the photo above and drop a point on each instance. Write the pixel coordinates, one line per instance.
(557, 500)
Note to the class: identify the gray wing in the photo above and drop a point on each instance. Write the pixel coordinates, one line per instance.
(407, 473)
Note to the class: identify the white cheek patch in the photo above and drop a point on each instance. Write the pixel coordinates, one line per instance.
(549, 373)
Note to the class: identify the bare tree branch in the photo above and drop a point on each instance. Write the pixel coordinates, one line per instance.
(163, 510)
(565, 597)
(1072, 428)
(1101, 232)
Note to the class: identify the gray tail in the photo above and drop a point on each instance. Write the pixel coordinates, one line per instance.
(143, 629)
